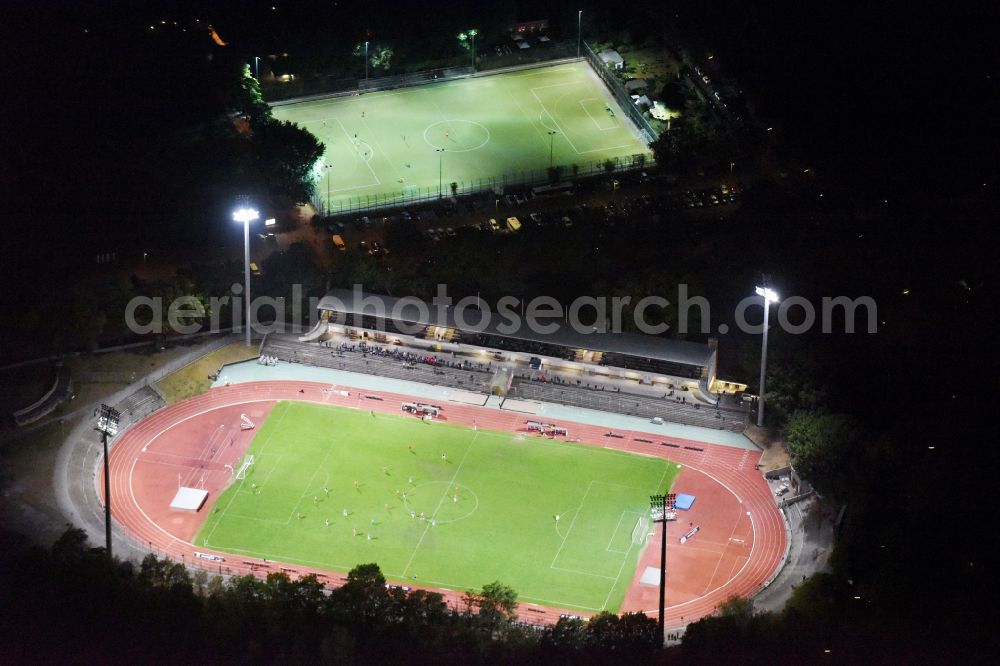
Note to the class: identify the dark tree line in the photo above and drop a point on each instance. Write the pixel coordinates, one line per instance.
(70, 601)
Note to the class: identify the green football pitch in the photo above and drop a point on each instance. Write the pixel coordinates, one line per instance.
(385, 144)
(488, 502)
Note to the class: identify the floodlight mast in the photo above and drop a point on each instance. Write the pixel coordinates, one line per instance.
(579, 23)
(472, 34)
(658, 504)
(440, 152)
(769, 296)
(107, 424)
(246, 215)
(327, 167)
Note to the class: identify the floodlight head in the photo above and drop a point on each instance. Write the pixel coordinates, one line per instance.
(657, 501)
(108, 420)
(769, 294)
(245, 215)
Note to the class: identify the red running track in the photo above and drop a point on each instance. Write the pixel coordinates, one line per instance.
(740, 544)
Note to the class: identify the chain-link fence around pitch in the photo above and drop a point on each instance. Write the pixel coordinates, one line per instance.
(621, 96)
(498, 185)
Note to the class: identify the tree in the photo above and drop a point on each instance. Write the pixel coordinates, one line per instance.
(822, 447)
(738, 608)
(382, 57)
(379, 55)
(496, 605)
(286, 155)
(248, 99)
(364, 597)
(628, 633)
(567, 636)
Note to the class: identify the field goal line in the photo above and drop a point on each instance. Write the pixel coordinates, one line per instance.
(562, 130)
(614, 123)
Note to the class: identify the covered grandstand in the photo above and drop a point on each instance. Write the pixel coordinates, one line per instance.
(629, 374)
(644, 358)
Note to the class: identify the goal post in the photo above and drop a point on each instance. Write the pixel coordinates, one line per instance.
(640, 531)
(245, 467)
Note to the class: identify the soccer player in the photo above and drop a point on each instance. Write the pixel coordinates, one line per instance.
(327, 522)
(326, 491)
(410, 479)
(357, 486)
(315, 499)
(444, 456)
(344, 512)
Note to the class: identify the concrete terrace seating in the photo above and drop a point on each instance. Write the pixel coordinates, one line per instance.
(61, 389)
(290, 350)
(630, 404)
(138, 405)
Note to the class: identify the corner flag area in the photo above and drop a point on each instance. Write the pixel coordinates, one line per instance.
(400, 144)
(440, 505)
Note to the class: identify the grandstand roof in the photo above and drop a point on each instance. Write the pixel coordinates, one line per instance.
(633, 344)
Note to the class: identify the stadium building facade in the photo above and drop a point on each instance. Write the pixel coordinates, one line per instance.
(645, 359)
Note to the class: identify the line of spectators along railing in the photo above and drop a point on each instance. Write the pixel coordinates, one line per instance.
(669, 407)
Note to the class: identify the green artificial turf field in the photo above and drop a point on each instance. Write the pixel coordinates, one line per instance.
(384, 144)
(492, 500)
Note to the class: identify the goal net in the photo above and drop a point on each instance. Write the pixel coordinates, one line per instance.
(640, 531)
(245, 467)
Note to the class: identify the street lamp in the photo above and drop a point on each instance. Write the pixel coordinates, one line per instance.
(107, 424)
(769, 297)
(327, 167)
(579, 22)
(472, 35)
(552, 137)
(256, 67)
(658, 513)
(366, 62)
(440, 152)
(246, 215)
